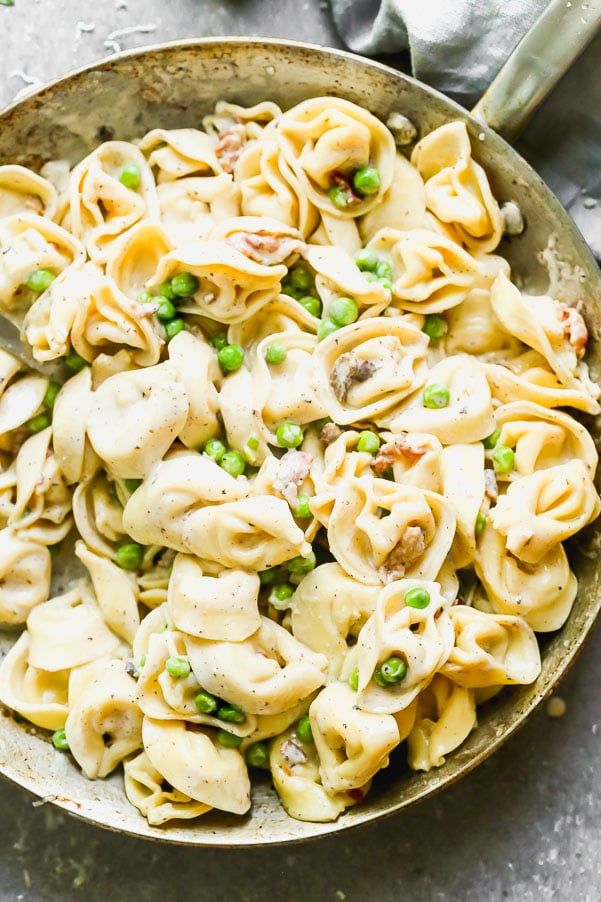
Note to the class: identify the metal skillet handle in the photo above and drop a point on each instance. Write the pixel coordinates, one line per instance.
(542, 57)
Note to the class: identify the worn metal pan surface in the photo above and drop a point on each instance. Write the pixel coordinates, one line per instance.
(173, 86)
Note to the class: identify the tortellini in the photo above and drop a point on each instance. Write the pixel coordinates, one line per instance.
(223, 607)
(325, 141)
(144, 787)
(491, 650)
(301, 489)
(265, 674)
(541, 510)
(104, 725)
(446, 715)
(422, 637)
(30, 242)
(430, 272)
(457, 188)
(380, 531)
(468, 415)
(543, 594)
(101, 207)
(329, 606)
(38, 695)
(218, 779)
(134, 418)
(24, 576)
(352, 744)
(295, 774)
(231, 286)
(366, 369)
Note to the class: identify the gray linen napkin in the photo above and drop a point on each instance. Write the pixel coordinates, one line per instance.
(458, 46)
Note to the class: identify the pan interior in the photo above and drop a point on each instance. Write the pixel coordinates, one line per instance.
(174, 86)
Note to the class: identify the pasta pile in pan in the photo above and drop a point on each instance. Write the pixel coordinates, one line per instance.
(311, 445)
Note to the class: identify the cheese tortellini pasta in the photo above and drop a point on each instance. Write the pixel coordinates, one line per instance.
(306, 487)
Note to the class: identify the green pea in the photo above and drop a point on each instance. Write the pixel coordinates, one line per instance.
(370, 276)
(300, 277)
(228, 740)
(480, 523)
(353, 679)
(368, 441)
(219, 340)
(436, 396)
(166, 310)
(129, 556)
(280, 595)
(276, 354)
(233, 463)
(174, 327)
(386, 283)
(303, 506)
(215, 449)
(325, 328)
(231, 713)
(166, 291)
(205, 702)
(503, 459)
(267, 577)
(435, 326)
(142, 660)
(367, 180)
(250, 449)
(311, 304)
(289, 435)
(339, 197)
(367, 260)
(393, 670)
(74, 361)
(51, 393)
(184, 284)
(257, 755)
(131, 176)
(59, 740)
(491, 440)
(39, 280)
(384, 270)
(417, 598)
(303, 729)
(301, 565)
(146, 297)
(178, 667)
(231, 358)
(37, 424)
(132, 484)
(343, 311)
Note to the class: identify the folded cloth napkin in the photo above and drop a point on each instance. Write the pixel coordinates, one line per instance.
(458, 46)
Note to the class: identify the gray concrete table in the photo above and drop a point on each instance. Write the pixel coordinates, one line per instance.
(524, 826)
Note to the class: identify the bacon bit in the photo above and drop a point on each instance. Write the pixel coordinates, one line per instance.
(229, 147)
(293, 469)
(402, 445)
(356, 795)
(33, 202)
(292, 753)
(329, 433)
(574, 327)
(263, 247)
(410, 547)
(348, 369)
(146, 309)
(491, 488)
(340, 182)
